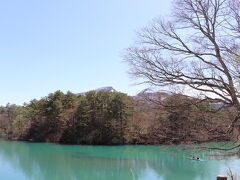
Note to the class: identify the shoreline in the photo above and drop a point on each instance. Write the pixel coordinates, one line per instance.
(126, 144)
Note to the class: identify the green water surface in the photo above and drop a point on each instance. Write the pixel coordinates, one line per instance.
(44, 161)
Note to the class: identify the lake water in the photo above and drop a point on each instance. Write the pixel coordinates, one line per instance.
(44, 161)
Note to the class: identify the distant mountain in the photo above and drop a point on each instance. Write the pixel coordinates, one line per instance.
(102, 89)
(217, 105)
(148, 93)
(106, 89)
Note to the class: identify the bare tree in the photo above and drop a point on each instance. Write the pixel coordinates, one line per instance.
(197, 47)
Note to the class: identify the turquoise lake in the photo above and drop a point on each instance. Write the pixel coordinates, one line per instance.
(45, 161)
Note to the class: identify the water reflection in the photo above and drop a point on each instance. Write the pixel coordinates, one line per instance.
(40, 161)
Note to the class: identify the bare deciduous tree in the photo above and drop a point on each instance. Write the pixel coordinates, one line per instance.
(198, 47)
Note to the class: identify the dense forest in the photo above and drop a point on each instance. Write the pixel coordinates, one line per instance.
(115, 118)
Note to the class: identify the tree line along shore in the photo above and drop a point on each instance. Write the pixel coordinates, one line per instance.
(113, 118)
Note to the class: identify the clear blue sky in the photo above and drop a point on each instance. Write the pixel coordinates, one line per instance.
(76, 45)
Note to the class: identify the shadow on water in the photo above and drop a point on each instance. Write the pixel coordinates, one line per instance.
(42, 161)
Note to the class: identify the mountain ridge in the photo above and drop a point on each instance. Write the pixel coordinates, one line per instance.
(101, 89)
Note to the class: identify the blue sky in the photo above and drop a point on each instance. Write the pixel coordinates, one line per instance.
(76, 45)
